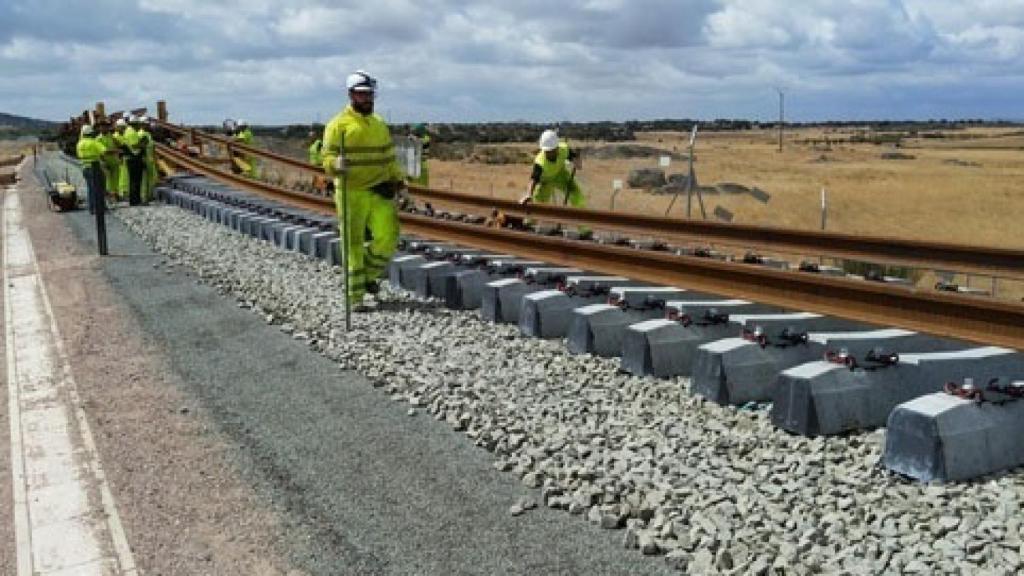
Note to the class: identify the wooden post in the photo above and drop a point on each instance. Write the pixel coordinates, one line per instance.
(161, 110)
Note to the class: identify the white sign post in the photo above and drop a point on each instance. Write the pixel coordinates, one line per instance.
(616, 188)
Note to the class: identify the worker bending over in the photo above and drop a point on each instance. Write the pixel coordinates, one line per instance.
(554, 170)
(359, 154)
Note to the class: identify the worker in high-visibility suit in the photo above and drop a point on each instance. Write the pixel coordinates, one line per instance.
(90, 153)
(121, 130)
(316, 158)
(244, 136)
(554, 170)
(359, 153)
(315, 149)
(135, 146)
(149, 173)
(110, 163)
(419, 132)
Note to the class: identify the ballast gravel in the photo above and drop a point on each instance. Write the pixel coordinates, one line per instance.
(710, 489)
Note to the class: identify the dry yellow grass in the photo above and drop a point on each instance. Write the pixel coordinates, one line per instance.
(965, 188)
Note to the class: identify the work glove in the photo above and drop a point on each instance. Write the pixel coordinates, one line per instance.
(339, 164)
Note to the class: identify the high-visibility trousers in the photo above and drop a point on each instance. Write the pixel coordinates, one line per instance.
(367, 261)
(546, 193)
(111, 172)
(569, 193)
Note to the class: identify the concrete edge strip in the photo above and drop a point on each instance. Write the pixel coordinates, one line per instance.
(23, 535)
(125, 559)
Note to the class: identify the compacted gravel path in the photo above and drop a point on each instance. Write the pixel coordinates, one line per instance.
(707, 488)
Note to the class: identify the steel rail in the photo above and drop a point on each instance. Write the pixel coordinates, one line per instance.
(956, 316)
(990, 261)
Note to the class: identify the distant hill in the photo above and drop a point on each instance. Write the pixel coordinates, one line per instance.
(12, 122)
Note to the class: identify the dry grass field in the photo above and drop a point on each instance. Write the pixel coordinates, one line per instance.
(966, 187)
(966, 191)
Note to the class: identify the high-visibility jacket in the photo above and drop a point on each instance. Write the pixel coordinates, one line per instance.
(315, 157)
(556, 175)
(368, 150)
(122, 165)
(149, 175)
(130, 138)
(244, 137)
(554, 172)
(111, 164)
(89, 150)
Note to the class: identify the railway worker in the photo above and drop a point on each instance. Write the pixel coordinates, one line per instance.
(359, 153)
(90, 152)
(243, 135)
(420, 133)
(316, 158)
(120, 129)
(149, 174)
(314, 151)
(110, 163)
(135, 148)
(554, 170)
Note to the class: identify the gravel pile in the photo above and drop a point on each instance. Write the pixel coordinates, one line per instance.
(709, 488)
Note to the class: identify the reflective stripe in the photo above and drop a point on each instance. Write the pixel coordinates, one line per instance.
(382, 161)
(359, 149)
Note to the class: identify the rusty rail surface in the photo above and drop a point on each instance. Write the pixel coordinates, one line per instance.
(956, 316)
(990, 261)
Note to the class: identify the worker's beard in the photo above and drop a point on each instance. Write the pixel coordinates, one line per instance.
(364, 108)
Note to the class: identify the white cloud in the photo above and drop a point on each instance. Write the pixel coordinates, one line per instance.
(280, 60)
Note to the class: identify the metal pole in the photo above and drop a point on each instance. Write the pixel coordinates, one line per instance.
(782, 100)
(824, 208)
(344, 239)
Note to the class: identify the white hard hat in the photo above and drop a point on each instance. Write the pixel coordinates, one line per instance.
(121, 122)
(360, 81)
(87, 130)
(242, 122)
(548, 140)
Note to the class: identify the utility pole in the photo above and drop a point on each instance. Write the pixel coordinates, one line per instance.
(782, 116)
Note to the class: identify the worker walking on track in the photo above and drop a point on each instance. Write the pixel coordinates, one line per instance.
(359, 153)
(90, 153)
(554, 170)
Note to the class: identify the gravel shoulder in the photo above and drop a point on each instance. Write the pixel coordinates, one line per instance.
(255, 455)
(185, 508)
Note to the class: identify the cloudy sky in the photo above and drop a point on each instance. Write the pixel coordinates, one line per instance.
(284, 61)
